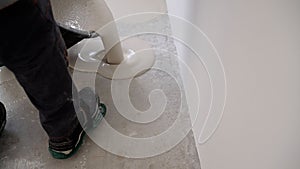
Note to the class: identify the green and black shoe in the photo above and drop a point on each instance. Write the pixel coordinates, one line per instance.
(91, 112)
(64, 154)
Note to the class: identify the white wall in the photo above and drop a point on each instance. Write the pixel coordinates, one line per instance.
(259, 44)
(121, 8)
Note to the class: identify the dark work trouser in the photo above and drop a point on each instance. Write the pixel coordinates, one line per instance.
(31, 46)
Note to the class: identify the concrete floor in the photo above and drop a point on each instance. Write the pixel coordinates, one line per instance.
(24, 143)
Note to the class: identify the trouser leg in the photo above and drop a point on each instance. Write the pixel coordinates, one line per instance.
(33, 49)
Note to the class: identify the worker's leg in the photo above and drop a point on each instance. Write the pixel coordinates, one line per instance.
(32, 48)
(2, 117)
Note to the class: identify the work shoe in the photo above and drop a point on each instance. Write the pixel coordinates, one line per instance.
(89, 113)
(2, 117)
(64, 153)
(91, 110)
